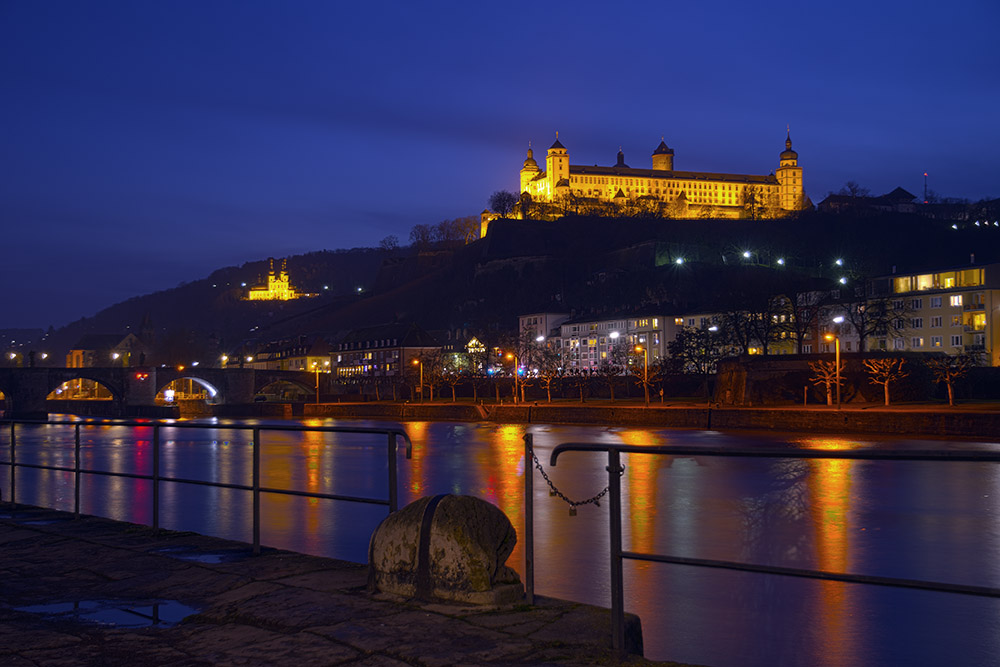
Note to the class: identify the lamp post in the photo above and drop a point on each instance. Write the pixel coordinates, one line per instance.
(417, 362)
(645, 371)
(315, 366)
(836, 347)
(513, 355)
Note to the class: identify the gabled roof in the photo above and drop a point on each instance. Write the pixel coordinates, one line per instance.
(96, 342)
(405, 335)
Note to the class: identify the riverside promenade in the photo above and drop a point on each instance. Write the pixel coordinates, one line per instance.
(92, 591)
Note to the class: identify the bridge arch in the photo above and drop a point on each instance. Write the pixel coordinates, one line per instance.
(58, 385)
(212, 391)
(280, 386)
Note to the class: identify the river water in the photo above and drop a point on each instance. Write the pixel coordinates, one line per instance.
(937, 521)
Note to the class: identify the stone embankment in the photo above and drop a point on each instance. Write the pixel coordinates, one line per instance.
(93, 591)
(962, 421)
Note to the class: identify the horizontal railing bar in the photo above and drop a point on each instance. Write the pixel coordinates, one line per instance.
(326, 496)
(221, 426)
(201, 482)
(784, 453)
(894, 582)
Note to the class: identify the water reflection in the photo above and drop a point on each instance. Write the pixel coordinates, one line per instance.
(914, 520)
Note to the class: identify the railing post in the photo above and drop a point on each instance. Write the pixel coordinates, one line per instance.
(529, 519)
(13, 465)
(256, 491)
(617, 585)
(393, 493)
(156, 477)
(76, 471)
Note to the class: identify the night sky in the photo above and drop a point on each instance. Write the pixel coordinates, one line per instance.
(149, 143)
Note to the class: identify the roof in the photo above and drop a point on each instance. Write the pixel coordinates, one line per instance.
(557, 145)
(99, 341)
(677, 175)
(405, 335)
(770, 179)
(663, 149)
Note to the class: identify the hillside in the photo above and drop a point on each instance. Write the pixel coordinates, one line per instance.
(578, 265)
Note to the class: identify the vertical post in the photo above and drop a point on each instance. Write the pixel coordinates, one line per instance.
(76, 471)
(837, 364)
(617, 585)
(256, 491)
(13, 465)
(393, 494)
(156, 477)
(529, 518)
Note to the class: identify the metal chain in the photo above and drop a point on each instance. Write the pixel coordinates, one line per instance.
(556, 492)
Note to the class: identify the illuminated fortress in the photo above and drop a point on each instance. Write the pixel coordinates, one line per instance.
(660, 190)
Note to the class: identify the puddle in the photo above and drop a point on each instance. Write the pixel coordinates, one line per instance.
(194, 555)
(117, 613)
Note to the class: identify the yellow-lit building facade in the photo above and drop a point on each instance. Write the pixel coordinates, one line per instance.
(278, 287)
(675, 193)
(951, 311)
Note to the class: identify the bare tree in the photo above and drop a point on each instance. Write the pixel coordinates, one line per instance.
(696, 350)
(825, 374)
(886, 371)
(611, 367)
(502, 202)
(422, 236)
(390, 242)
(853, 189)
(950, 369)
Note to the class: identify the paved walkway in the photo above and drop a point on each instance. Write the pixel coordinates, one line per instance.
(80, 592)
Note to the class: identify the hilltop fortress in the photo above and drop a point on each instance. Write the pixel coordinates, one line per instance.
(657, 191)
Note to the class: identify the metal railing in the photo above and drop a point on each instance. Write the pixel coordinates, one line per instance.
(391, 435)
(618, 554)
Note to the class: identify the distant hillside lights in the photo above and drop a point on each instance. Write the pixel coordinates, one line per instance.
(278, 288)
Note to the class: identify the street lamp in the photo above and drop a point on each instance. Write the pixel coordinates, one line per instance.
(417, 362)
(315, 366)
(513, 355)
(645, 371)
(836, 346)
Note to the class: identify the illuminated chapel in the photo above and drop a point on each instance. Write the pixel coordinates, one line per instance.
(661, 188)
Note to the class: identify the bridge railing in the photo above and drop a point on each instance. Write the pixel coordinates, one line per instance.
(618, 554)
(390, 434)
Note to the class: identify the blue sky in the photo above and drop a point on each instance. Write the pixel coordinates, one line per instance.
(146, 144)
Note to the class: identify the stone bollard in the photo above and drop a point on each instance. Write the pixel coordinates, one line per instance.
(445, 547)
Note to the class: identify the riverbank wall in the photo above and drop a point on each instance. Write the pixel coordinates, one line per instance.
(873, 420)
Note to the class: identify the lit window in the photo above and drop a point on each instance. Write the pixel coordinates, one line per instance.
(956, 300)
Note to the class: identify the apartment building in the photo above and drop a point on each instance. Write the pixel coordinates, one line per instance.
(951, 311)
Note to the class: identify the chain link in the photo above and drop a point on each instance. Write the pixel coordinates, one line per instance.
(556, 492)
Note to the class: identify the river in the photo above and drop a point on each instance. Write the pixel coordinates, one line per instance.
(937, 521)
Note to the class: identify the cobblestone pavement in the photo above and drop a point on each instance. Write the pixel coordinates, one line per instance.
(82, 592)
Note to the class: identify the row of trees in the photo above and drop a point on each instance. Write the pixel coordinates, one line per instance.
(754, 203)
(888, 371)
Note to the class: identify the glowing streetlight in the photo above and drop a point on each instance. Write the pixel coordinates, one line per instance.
(746, 254)
(836, 340)
(645, 371)
(540, 339)
(417, 362)
(315, 366)
(839, 262)
(781, 261)
(679, 260)
(513, 355)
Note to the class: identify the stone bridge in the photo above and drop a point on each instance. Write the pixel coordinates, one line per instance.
(26, 389)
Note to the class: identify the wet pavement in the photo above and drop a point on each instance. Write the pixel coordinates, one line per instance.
(98, 592)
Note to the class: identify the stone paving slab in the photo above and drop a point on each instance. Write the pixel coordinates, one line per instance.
(277, 608)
